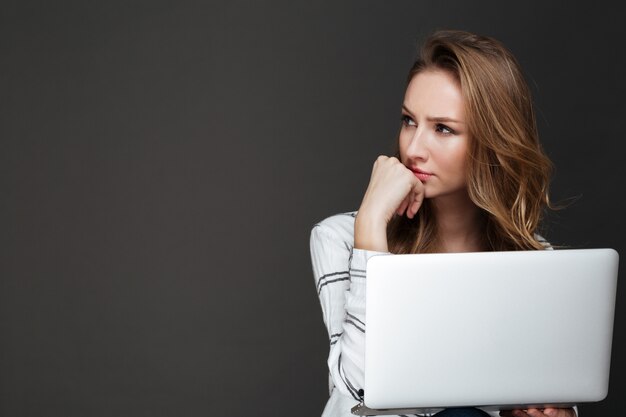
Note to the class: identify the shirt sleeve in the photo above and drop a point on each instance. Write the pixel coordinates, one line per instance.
(339, 272)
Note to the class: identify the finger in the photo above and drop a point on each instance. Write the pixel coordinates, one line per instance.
(535, 412)
(403, 206)
(418, 187)
(417, 199)
(554, 412)
(409, 208)
(381, 159)
(377, 163)
(413, 209)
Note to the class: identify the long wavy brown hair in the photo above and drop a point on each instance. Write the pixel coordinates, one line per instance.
(508, 172)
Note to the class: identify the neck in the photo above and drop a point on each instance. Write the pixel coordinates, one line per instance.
(459, 224)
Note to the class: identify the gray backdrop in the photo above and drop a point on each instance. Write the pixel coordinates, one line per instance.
(163, 162)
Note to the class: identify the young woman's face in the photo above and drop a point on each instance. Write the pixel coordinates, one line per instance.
(434, 138)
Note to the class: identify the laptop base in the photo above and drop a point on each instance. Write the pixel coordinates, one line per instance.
(362, 410)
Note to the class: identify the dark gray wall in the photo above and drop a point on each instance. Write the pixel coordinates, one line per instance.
(162, 164)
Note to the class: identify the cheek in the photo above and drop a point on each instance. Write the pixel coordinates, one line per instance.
(455, 157)
(461, 160)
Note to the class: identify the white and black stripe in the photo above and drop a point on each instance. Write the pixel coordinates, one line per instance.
(359, 273)
(331, 278)
(334, 338)
(353, 321)
(353, 391)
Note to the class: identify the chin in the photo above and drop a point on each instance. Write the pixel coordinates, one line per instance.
(430, 193)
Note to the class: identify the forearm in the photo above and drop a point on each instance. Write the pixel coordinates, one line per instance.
(370, 233)
(347, 355)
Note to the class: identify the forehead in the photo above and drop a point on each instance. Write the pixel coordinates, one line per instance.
(435, 93)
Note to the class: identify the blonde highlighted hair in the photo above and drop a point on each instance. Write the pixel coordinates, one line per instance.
(508, 172)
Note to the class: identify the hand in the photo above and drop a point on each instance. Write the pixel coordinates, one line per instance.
(540, 412)
(393, 189)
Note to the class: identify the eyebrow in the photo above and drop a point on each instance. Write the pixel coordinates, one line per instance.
(435, 119)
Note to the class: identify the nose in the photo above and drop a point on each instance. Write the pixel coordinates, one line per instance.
(418, 146)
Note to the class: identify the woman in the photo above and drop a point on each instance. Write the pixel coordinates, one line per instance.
(469, 175)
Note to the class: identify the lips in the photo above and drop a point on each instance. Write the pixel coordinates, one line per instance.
(421, 175)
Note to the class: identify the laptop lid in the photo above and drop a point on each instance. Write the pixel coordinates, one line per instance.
(501, 329)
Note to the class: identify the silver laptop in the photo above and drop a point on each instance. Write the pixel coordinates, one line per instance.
(498, 330)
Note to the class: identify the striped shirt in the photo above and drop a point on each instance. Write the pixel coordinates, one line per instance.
(339, 272)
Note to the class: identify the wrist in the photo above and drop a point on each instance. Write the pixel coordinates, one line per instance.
(370, 233)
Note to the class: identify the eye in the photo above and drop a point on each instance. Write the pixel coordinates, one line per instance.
(407, 121)
(443, 129)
